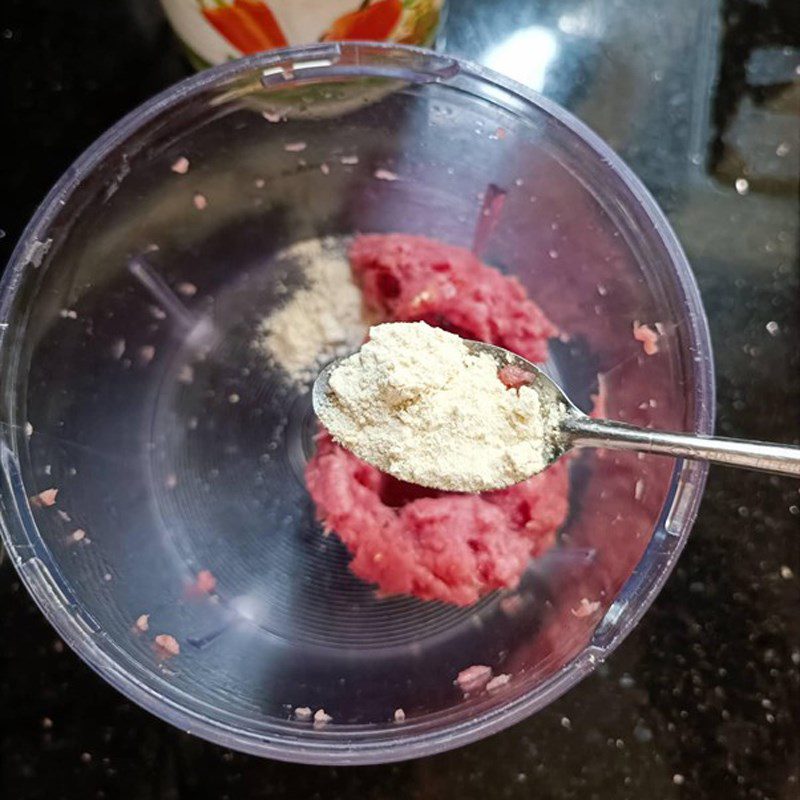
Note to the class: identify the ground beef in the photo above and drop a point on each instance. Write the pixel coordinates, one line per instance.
(515, 377)
(406, 539)
(411, 278)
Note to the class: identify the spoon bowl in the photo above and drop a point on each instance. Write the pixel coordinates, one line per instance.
(577, 429)
(550, 393)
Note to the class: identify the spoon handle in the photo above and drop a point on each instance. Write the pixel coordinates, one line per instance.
(778, 458)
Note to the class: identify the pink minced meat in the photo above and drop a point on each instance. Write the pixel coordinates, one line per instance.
(406, 539)
(647, 336)
(434, 545)
(514, 377)
(410, 278)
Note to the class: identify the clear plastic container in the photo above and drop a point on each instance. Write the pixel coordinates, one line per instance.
(121, 280)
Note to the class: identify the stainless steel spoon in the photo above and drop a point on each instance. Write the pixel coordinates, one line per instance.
(579, 430)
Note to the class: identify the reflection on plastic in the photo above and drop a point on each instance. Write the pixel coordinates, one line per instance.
(525, 56)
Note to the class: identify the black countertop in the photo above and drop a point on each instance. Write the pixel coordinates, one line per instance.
(702, 98)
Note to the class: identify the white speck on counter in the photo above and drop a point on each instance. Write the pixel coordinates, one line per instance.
(349, 161)
(386, 175)
(28, 429)
(78, 535)
(642, 734)
(200, 201)
(786, 573)
(303, 713)
(272, 116)
(143, 623)
(627, 681)
(773, 329)
(324, 169)
(678, 779)
(399, 715)
(742, 186)
(295, 147)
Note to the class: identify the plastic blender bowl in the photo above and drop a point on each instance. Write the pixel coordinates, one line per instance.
(131, 385)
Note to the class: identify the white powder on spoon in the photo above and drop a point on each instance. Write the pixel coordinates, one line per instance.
(416, 403)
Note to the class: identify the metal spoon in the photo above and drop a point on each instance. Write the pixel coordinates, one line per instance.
(579, 430)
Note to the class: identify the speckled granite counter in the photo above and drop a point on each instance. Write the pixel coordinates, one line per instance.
(702, 98)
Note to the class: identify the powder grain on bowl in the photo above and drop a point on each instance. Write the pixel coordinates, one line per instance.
(320, 321)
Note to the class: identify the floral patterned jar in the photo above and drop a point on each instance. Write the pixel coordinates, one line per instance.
(219, 30)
